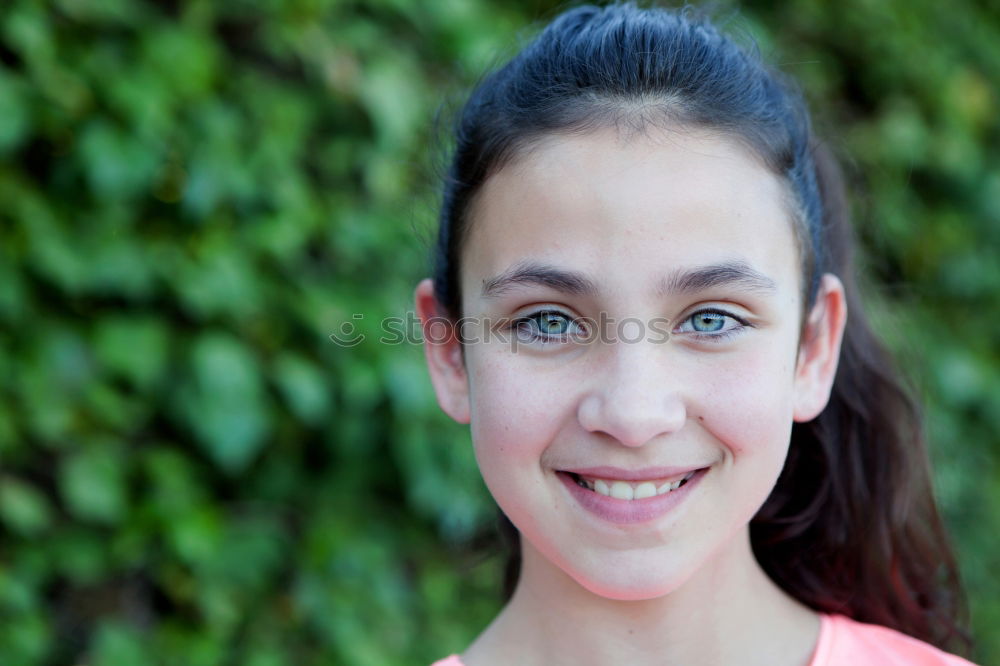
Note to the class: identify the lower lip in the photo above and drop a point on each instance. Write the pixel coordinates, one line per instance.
(626, 512)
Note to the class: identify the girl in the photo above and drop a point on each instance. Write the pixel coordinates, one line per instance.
(640, 304)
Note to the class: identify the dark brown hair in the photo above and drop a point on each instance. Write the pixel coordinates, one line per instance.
(851, 526)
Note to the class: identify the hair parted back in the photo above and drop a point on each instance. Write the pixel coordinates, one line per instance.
(851, 526)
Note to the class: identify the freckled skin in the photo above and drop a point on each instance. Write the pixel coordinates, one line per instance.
(624, 213)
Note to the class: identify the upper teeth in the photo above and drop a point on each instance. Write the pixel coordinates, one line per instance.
(627, 491)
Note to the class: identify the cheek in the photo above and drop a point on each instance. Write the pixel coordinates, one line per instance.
(516, 412)
(747, 413)
(749, 406)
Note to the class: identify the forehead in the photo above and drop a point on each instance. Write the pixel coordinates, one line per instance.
(625, 208)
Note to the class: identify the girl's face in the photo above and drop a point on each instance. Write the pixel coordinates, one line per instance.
(633, 318)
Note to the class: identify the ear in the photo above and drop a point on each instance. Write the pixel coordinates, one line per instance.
(819, 349)
(444, 354)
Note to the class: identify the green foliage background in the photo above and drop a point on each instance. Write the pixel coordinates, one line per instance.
(194, 195)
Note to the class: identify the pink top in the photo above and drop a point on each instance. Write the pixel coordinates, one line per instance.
(842, 641)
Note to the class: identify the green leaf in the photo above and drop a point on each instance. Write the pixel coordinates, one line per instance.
(134, 347)
(25, 638)
(14, 110)
(23, 508)
(13, 291)
(9, 440)
(183, 60)
(196, 536)
(117, 644)
(93, 484)
(172, 486)
(118, 164)
(304, 388)
(80, 554)
(220, 280)
(225, 405)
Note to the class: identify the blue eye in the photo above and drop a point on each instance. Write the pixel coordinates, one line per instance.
(708, 322)
(713, 325)
(545, 325)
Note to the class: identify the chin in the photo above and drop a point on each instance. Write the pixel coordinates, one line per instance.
(639, 588)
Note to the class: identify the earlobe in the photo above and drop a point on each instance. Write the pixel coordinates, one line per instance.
(819, 350)
(443, 352)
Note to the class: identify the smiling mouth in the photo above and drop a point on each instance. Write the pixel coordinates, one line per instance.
(626, 490)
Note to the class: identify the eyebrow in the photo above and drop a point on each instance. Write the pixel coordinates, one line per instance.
(736, 274)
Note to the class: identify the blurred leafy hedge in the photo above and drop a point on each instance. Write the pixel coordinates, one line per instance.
(195, 195)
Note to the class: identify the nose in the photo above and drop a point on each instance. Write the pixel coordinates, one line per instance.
(635, 397)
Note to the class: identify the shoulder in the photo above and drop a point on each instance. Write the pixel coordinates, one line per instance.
(453, 660)
(845, 641)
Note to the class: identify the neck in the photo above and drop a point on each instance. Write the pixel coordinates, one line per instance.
(728, 612)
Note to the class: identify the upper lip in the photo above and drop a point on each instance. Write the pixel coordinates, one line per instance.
(619, 474)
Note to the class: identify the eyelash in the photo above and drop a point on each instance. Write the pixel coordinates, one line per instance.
(711, 337)
(722, 336)
(536, 335)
